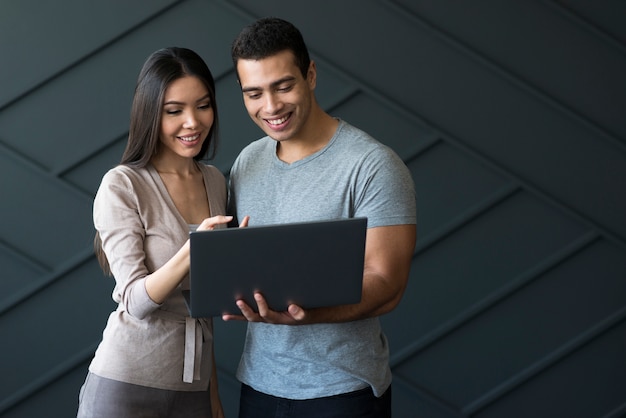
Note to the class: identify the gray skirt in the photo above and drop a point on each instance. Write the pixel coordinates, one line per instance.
(105, 398)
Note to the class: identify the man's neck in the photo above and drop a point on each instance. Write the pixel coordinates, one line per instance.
(321, 131)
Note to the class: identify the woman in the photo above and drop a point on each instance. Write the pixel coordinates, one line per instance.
(154, 360)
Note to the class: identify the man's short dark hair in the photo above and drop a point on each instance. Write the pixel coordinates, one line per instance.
(267, 37)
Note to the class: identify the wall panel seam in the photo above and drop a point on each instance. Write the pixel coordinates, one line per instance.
(15, 253)
(481, 157)
(43, 172)
(618, 412)
(47, 378)
(76, 261)
(562, 8)
(508, 75)
(546, 362)
(466, 217)
(96, 50)
(513, 286)
(430, 397)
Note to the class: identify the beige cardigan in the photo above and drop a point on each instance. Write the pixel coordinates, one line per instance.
(145, 343)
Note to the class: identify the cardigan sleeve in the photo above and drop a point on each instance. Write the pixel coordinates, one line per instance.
(117, 219)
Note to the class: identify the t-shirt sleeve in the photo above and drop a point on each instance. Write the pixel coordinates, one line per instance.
(385, 191)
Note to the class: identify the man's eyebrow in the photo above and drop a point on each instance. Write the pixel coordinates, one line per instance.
(274, 84)
(249, 89)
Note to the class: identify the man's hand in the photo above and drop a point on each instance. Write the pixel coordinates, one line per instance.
(294, 315)
(388, 256)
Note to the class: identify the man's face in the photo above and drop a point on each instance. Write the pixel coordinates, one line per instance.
(276, 95)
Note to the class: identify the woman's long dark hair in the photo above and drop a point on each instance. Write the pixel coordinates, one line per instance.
(160, 69)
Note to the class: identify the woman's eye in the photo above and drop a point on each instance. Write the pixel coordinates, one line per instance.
(172, 112)
(205, 106)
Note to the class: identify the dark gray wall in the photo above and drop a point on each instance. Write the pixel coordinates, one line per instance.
(509, 114)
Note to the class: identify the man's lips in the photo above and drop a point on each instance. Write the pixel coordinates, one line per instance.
(278, 123)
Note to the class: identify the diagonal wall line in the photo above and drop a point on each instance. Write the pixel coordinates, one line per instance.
(459, 145)
(546, 362)
(492, 299)
(430, 397)
(509, 75)
(46, 379)
(46, 280)
(582, 21)
(85, 57)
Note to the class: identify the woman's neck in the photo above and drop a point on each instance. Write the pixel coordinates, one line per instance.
(179, 166)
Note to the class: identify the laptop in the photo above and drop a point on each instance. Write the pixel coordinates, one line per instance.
(311, 264)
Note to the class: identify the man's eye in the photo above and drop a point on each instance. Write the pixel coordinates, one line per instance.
(254, 96)
(284, 88)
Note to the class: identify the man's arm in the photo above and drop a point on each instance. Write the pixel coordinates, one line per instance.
(388, 254)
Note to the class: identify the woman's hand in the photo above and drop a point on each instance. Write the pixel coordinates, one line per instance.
(164, 280)
(210, 223)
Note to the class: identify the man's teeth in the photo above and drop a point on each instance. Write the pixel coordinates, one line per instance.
(277, 121)
(189, 138)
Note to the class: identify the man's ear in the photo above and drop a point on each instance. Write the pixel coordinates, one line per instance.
(311, 75)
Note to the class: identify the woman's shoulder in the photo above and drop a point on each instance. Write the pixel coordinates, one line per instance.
(126, 177)
(122, 170)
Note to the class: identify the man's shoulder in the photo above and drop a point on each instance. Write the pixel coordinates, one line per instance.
(355, 136)
(361, 145)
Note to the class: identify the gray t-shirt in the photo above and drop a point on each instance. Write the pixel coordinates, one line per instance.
(353, 176)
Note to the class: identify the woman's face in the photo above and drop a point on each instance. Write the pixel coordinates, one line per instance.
(187, 117)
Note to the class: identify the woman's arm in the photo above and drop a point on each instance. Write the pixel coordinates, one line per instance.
(164, 280)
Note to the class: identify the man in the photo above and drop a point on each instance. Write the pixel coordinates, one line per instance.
(325, 362)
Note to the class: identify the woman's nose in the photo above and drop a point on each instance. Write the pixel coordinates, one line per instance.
(190, 121)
